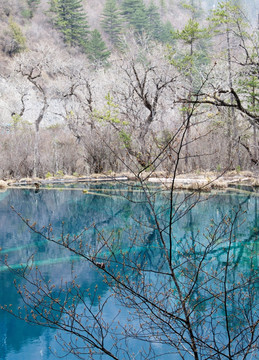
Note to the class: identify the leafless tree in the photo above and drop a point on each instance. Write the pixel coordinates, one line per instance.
(32, 70)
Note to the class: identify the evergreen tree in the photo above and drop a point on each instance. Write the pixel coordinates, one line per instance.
(228, 20)
(194, 7)
(191, 33)
(134, 12)
(71, 20)
(19, 40)
(33, 4)
(162, 6)
(154, 25)
(193, 52)
(189, 59)
(128, 8)
(168, 34)
(111, 21)
(139, 20)
(193, 43)
(97, 51)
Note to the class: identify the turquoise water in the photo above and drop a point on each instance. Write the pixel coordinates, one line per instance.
(122, 211)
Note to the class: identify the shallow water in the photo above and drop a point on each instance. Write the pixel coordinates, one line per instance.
(118, 210)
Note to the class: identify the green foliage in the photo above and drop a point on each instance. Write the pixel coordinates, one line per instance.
(194, 53)
(147, 20)
(125, 138)
(168, 34)
(154, 25)
(59, 174)
(249, 89)
(48, 175)
(33, 4)
(112, 22)
(30, 9)
(193, 6)
(134, 12)
(18, 37)
(188, 64)
(96, 49)
(70, 19)
(17, 119)
(139, 20)
(70, 115)
(238, 169)
(191, 32)
(163, 5)
(187, 6)
(228, 15)
(129, 7)
(18, 122)
(110, 113)
(55, 126)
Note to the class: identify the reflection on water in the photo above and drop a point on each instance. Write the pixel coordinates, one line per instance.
(70, 210)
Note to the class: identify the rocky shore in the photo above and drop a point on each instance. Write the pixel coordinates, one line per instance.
(243, 181)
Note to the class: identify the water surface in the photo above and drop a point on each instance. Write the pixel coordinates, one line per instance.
(121, 211)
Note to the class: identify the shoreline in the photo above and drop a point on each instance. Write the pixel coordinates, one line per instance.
(205, 181)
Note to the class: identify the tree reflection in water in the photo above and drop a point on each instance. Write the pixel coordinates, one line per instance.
(121, 233)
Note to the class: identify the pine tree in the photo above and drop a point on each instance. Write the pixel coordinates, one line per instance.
(229, 21)
(33, 4)
(128, 8)
(97, 51)
(29, 8)
(193, 42)
(194, 7)
(154, 25)
(134, 12)
(139, 20)
(168, 33)
(111, 21)
(19, 40)
(71, 20)
(193, 51)
(188, 60)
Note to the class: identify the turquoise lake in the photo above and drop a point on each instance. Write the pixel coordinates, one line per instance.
(120, 210)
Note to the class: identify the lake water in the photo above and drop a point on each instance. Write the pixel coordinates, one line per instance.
(118, 210)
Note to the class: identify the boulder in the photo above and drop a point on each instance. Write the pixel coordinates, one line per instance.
(3, 184)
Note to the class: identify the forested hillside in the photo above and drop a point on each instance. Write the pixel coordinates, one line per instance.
(112, 85)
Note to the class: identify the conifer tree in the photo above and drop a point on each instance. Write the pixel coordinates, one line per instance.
(96, 49)
(194, 7)
(228, 20)
(134, 12)
(168, 33)
(139, 20)
(71, 20)
(189, 59)
(31, 6)
(111, 21)
(19, 40)
(128, 8)
(154, 25)
(193, 53)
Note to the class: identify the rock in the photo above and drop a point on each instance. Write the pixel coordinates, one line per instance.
(25, 181)
(3, 184)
